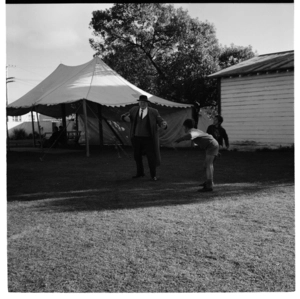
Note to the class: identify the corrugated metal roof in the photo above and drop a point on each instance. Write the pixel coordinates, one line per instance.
(261, 63)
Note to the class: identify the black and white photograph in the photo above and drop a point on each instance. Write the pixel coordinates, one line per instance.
(149, 148)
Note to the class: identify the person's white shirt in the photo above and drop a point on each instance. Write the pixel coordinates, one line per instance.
(145, 111)
(195, 133)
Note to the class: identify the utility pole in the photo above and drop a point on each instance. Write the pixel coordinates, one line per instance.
(8, 80)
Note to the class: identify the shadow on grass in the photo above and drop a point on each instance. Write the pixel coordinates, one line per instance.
(103, 181)
(140, 197)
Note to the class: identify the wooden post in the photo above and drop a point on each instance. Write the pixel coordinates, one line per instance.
(7, 135)
(76, 122)
(219, 95)
(100, 125)
(87, 145)
(37, 118)
(63, 113)
(32, 124)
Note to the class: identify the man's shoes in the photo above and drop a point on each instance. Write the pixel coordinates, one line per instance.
(204, 184)
(154, 178)
(205, 189)
(138, 176)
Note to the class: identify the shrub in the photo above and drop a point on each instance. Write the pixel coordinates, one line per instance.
(36, 135)
(19, 134)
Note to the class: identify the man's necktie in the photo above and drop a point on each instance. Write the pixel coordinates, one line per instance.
(142, 110)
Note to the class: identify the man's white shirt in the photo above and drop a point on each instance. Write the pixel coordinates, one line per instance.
(195, 133)
(145, 112)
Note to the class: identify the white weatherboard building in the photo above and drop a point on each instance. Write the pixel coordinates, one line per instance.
(257, 100)
(28, 122)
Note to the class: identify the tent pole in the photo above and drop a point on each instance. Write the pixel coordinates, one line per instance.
(100, 125)
(87, 145)
(32, 124)
(76, 123)
(63, 113)
(7, 135)
(38, 123)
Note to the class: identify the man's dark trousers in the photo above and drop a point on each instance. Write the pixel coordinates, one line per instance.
(141, 146)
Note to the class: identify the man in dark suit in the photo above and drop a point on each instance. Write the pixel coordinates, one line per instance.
(144, 135)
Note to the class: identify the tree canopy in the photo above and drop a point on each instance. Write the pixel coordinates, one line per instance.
(162, 50)
(234, 54)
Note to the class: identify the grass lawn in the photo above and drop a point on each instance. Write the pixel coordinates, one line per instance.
(78, 224)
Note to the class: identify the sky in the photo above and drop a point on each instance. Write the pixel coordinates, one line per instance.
(41, 36)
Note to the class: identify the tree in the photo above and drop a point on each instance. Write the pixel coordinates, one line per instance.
(234, 54)
(158, 48)
(163, 50)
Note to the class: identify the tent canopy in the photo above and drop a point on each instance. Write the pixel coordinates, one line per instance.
(94, 81)
(107, 96)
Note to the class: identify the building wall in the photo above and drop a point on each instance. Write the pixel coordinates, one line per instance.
(24, 122)
(259, 109)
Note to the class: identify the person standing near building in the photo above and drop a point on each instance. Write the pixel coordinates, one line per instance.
(144, 135)
(218, 132)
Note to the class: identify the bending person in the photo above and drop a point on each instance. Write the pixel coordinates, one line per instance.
(205, 142)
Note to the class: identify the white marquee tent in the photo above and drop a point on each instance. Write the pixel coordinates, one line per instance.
(98, 95)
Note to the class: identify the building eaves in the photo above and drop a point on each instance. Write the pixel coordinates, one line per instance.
(260, 64)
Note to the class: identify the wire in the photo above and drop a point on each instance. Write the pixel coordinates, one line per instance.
(27, 79)
(37, 66)
(26, 83)
(32, 72)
